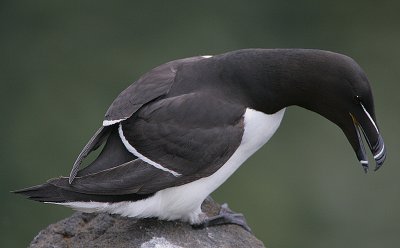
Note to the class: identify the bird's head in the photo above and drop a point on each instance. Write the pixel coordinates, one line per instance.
(336, 87)
(330, 84)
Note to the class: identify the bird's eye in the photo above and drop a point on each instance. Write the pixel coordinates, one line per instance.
(358, 99)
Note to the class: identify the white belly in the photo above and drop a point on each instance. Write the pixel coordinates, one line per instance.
(184, 202)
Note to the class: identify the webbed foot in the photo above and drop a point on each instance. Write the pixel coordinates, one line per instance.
(226, 216)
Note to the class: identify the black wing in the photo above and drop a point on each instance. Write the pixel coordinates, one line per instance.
(155, 83)
(150, 86)
(186, 134)
(192, 134)
(95, 142)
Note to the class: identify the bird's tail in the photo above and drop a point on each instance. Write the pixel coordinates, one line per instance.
(58, 190)
(48, 192)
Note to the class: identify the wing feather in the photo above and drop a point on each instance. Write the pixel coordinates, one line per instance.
(186, 134)
(152, 85)
(183, 133)
(94, 143)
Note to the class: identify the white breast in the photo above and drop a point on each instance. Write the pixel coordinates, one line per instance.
(183, 202)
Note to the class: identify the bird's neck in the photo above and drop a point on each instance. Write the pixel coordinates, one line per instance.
(270, 80)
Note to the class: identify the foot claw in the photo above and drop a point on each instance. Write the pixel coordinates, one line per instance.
(225, 216)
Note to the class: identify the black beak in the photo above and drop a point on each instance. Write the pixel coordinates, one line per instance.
(365, 125)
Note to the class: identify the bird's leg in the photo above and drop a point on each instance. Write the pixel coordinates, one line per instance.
(225, 216)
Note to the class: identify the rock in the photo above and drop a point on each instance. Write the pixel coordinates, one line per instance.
(104, 230)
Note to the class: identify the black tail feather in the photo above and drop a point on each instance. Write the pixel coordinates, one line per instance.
(48, 192)
(43, 193)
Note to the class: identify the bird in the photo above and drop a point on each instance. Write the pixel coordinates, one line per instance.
(182, 129)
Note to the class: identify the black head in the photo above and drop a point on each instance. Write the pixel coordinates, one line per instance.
(362, 120)
(336, 87)
(328, 83)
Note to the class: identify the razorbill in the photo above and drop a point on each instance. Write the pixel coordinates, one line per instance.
(178, 132)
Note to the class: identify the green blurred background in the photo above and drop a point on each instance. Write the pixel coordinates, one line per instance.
(63, 62)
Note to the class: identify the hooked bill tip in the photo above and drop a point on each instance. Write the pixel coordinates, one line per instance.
(365, 169)
(380, 153)
(379, 163)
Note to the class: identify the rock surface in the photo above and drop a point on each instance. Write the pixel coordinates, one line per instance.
(104, 230)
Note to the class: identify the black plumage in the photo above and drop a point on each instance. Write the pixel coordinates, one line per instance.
(188, 116)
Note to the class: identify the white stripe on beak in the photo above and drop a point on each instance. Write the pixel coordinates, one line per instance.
(370, 118)
(380, 152)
